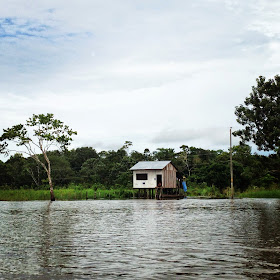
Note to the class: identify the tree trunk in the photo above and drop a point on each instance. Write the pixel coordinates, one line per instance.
(50, 183)
(52, 195)
(49, 175)
(51, 188)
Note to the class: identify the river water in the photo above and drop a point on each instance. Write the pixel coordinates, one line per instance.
(140, 239)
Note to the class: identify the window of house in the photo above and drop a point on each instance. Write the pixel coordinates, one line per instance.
(141, 176)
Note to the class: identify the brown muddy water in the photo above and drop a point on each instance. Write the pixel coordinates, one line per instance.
(140, 239)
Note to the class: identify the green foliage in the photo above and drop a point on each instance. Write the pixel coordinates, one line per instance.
(62, 174)
(4, 177)
(260, 115)
(106, 174)
(77, 157)
(164, 154)
(109, 168)
(136, 157)
(50, 129)
(44, 128)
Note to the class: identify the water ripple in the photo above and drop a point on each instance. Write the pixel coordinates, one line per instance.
(140, 239)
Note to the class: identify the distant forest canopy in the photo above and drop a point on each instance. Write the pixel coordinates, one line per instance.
(110, 169)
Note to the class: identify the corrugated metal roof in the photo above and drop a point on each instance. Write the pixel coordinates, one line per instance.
(149, 165)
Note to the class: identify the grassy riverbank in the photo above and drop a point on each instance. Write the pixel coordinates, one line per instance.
(202, 190)
(260, 193)
(80, 193)
(65, 194)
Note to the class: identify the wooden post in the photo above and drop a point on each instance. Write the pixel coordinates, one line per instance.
(231, 168)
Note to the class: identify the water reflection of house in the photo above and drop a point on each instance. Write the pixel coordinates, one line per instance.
(155, 178)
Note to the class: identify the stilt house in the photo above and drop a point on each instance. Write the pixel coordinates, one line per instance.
(149, 174)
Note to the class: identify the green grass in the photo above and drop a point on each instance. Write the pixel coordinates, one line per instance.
(212, 192)
(18, 195)
(204, 191)
(260, 193)
(77, 192)
(65, 194)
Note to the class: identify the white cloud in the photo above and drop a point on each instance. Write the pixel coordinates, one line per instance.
(153, 72)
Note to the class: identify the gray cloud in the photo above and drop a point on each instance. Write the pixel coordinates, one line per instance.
(211, 137)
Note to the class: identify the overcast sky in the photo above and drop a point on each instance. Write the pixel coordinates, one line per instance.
(159, 73)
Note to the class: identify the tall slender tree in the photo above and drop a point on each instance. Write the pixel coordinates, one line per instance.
(38, 135)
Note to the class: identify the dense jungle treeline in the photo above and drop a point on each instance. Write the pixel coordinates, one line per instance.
(110, 169)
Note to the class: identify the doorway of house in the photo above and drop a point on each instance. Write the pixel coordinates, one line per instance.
(159, 179)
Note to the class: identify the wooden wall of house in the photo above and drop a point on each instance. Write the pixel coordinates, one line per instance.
(169, 176)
